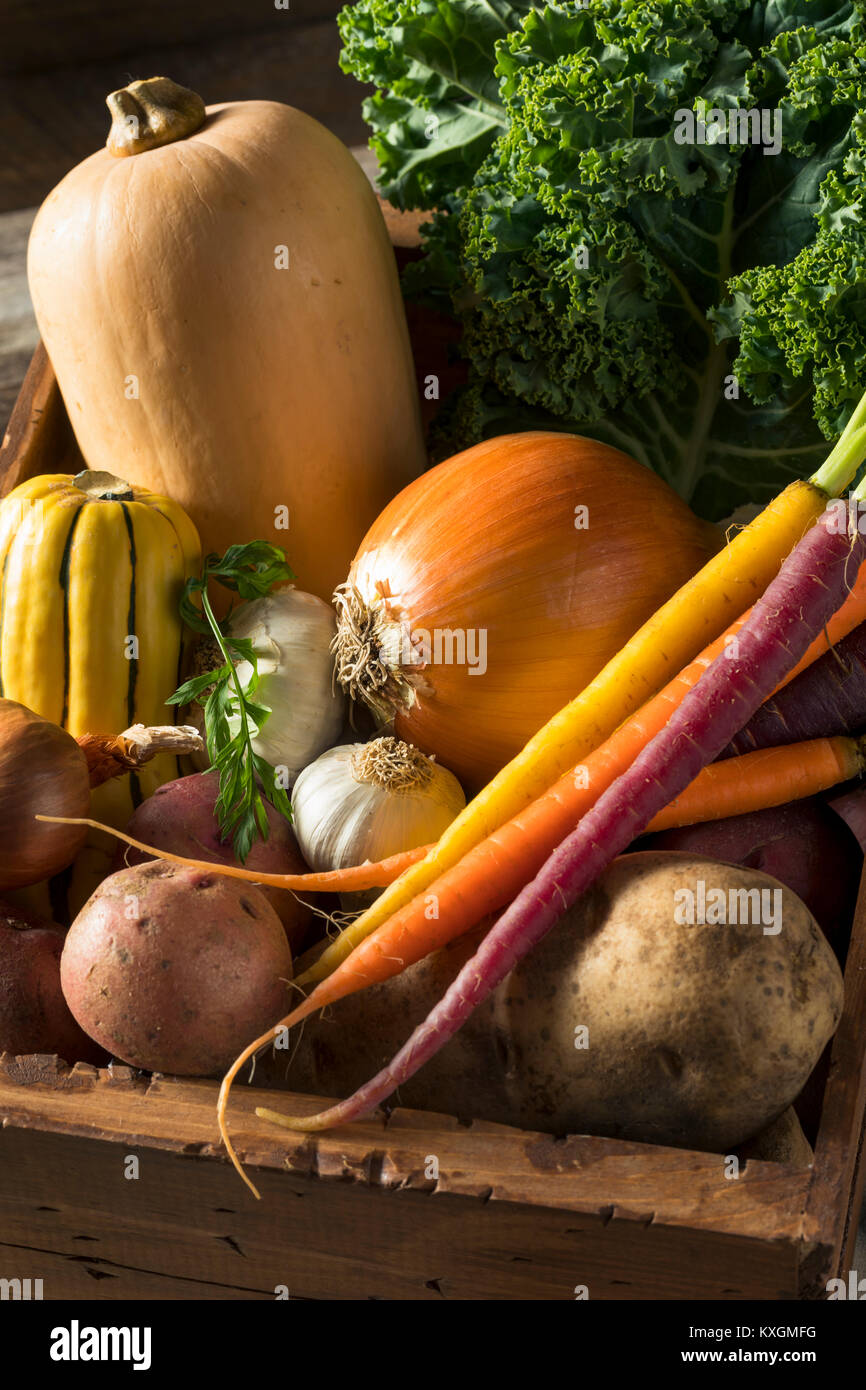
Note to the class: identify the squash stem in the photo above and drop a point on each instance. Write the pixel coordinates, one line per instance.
(150, 113)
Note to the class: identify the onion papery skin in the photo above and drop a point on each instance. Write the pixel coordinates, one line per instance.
(42, 772)
(492, 541)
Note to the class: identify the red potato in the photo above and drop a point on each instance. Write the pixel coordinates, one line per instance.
(34, 1016)
(174, 969)
(805, 845)
(179, 817)
(851, 806)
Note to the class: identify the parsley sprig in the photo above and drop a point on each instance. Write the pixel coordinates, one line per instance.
(233, 717)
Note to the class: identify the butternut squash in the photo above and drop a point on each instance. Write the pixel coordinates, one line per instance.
(221, 307)
(91, 574)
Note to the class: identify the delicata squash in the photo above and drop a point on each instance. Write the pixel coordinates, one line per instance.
(91, 574)
(219, 299)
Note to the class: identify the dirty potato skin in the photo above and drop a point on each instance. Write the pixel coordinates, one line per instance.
(698, 1036)
(174, 969)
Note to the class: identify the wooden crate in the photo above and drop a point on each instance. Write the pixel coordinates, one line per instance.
(359, 1212)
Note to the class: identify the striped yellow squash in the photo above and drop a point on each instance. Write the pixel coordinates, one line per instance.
(91, 572)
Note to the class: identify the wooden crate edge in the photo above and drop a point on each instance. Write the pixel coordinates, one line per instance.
(830, 1218)
(591, 1177)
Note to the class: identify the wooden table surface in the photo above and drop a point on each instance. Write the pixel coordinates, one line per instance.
(18, 333)
(59, 59)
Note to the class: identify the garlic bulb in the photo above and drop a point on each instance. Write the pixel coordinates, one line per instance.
(291, 633)
(366, 801)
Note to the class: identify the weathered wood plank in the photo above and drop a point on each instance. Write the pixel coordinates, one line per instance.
(18, 333)
(830, 1218)
(38, 438)
(184, 1226)
(583, 1174)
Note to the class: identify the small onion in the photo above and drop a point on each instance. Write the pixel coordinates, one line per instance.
(42, 771)
(366, 801)
(492, 589)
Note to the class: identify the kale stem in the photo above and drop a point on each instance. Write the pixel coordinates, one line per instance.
(845, 459)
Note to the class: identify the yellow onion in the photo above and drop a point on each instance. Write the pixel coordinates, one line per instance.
(492, 589)
(44, 771)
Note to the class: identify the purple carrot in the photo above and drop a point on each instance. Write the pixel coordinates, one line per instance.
(810, 586)
(826, 699)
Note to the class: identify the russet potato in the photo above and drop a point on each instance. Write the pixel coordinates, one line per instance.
(624, 1021)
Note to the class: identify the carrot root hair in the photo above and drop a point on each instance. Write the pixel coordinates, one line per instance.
(222, 1102)
(297, 1015)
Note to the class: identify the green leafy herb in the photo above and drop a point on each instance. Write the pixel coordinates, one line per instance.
(701, 306)
(232, 715)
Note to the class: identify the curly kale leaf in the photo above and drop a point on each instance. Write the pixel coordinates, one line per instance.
(438, 110)
(697, 304)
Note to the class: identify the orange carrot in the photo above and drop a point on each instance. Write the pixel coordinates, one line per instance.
(757, 781)
(495, 871)
(351, 880)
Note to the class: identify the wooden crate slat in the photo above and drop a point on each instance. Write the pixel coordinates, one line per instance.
(39, 437)
(191, 1221)
(583, 1174)
(835, 1191)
